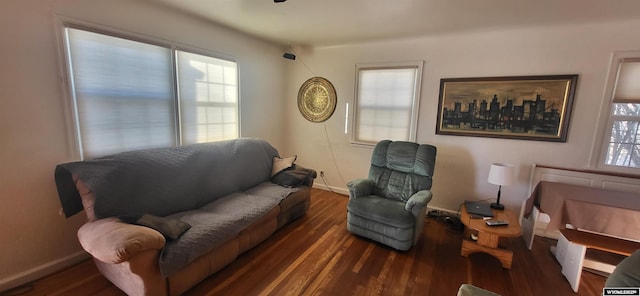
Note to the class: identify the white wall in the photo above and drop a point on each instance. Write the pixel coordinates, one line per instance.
(463, 163)
(35, 239)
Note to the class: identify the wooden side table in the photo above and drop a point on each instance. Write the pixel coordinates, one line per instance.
(489, 236)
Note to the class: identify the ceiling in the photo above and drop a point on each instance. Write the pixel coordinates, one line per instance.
(334, 22)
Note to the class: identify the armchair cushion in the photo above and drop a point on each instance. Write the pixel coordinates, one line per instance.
(384, 210)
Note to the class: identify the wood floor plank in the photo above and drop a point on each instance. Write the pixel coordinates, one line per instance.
(316, 255)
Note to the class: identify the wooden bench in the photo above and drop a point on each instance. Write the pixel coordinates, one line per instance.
(572, 247)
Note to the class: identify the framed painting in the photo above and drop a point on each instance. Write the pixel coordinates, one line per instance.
(519, 107)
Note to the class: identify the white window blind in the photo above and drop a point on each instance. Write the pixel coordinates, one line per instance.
(386, 103)
(126, 96)
(628, 83)
(623, 142)
(123, 93)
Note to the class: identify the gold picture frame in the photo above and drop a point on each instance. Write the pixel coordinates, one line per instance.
(518, 107)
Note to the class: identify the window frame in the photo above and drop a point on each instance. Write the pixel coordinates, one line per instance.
(606, 118)
(415, 104)
(68, 89)
(191, 50)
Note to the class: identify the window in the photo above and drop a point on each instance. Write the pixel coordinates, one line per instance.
(130, 95)
(621, 140)
(208, 91)
(386, 104)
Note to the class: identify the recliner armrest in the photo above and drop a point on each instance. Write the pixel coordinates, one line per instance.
(112, 241)
(360, 188)
(420, 199)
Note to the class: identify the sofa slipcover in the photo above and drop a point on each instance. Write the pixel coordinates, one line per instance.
(222, 190)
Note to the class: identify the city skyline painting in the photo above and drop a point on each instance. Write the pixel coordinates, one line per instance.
(519, 107)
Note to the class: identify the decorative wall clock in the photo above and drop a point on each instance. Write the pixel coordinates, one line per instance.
(317, 99)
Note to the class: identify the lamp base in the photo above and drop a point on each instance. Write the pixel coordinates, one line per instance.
(497, 206)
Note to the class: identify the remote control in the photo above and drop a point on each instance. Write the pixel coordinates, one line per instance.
(496, 222)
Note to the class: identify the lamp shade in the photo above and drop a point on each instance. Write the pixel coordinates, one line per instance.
(502, 174)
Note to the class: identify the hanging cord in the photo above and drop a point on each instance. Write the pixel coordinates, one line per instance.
(333, 158)
(324, 124)
(300, 58)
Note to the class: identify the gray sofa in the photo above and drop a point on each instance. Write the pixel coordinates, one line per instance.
(191, 210)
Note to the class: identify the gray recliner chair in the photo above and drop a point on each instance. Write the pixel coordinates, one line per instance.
(626, 273)
(389, 206)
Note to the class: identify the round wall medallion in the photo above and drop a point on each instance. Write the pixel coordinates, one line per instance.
(317, 99)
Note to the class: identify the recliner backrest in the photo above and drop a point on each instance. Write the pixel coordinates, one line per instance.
(400, 169)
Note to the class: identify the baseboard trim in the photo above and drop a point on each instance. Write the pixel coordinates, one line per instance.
(331, 188)
(443, 210)
(42, 270)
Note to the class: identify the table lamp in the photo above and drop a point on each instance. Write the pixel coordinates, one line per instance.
(501, 174)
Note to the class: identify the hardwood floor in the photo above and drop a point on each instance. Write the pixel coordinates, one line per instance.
(316, 255)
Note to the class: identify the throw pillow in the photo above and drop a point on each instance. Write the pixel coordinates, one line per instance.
(169, 227)
(294, 176)
(280, 164)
